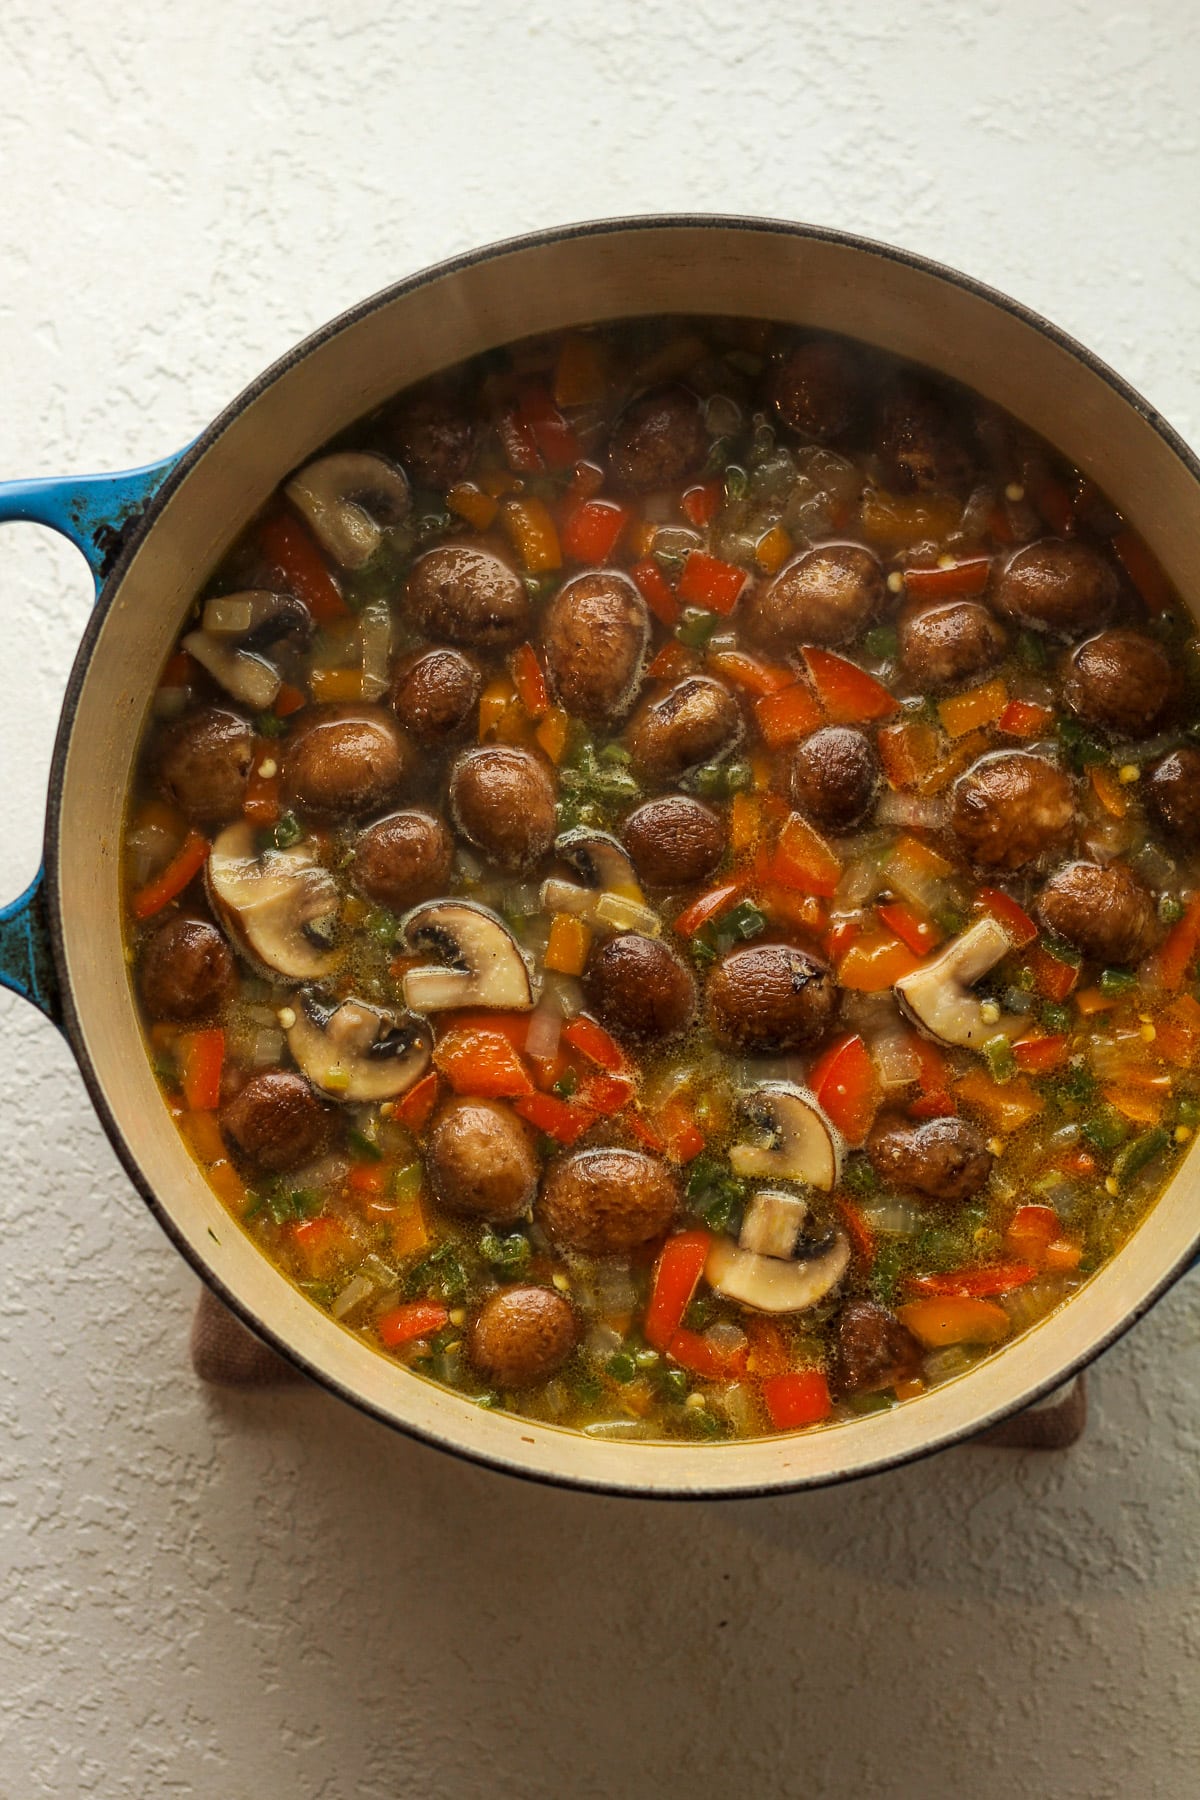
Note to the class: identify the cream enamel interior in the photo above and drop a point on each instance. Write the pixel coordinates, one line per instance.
(610, 272)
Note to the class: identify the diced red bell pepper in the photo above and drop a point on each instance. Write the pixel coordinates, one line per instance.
(849, 695)
(558, 1119)
(414, 1109)
(203, 1057)
(709, 906)
(520, 448)
(416, 1319)
(803, 860)
(846, 1086)
(1021, 718)
(293, 552)
(700, 1356)
(529, 679)
(968, 577)
(700, 503)
(684, 1138)
(1015, 920)
(321, 1242)
(1144, 570)
(591, 533)
(676, 1275)
(645, 1133)
(658, 593)
(511, 1025)
(607, 1094)
(710, 583)
(1055, 504)
(934, 1099)
(1178, 950)
(1053, 978)
(789, 714)
(368, 1178)
(796, 1399)
(482, 1063)
(591, 1040)
(551, 433)
(750, 672)
(183, 867)
(911, 925)
(1041, 1055)
(973, 1284)
(1030, 1230)
(673, 662)
(862, 1238)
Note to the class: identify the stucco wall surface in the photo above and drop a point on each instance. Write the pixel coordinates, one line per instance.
(208, 1597)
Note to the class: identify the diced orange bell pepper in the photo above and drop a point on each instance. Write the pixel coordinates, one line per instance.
(1062, 1256)
(1030, 1230)
(472, 504)
(1005, 1105)
(745, 822)
(1142, 1105)
(700, 1356)
(1144, 570)
(529, 679)
(788, 715)
(751, 672)
(803, 860)
(955, 1320)
(591, 1040)
(581, 372)
(709, 906)
(1178, 1032)
(1110, 792)
(978, 707)
(862, 1238)
(482, 1063)
(673, 662)
(414, 1110)
(532, 534)
(708, 582)
(1042, 1054)
(682, 1135)
(289, 700)
(261, 805)
(1093, 1000)
(978, 1284)
(799, 1398)
(321, 1242)
(875, 961)
(676, 1276)
(895, 521)
(570, 941)
(846, 1087)
(772, 550)
(1170, 963)
(553, 733)
(908, 751)
(700, 504)
(849, 695)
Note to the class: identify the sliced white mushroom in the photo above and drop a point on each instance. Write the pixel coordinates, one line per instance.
(256, 616)
(485, 964)
(609, 894)
(795, 1140)
(348, 499)
(938, 996)
(772, 1223)
(279, 906)
(357, 1052)
(250, 680)
(771, 1284)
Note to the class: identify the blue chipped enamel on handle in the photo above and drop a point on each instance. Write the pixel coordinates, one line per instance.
(93, 511)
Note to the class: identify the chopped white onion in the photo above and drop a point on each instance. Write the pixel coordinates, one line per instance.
(918, 812)
(622, 914)
(1026, 1305)
(895, 1060)
(356, 1290)
(602, 1340)
(566, 992)
(860, 881)
(726, 1338)
(737, 1403)
(895, 1218)
(722, 416)
(615, 1292)
(545, 1029)
(375, 634)
(266, 1049)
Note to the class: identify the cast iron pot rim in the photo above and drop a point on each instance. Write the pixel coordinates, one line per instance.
(133, 540)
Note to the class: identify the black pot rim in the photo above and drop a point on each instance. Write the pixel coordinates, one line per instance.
(132, 543)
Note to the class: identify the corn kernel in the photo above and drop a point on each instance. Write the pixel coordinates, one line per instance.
(287, 1017)
(458, 1315)
(1128, 772)
(268, 767)
(989, 1012)
(1148, 1034)
(695, 1402)
(995, 1146)
(1014, 491)
(1182, 1133)
(561, 1283)
(895, 582)
(1110, 1185)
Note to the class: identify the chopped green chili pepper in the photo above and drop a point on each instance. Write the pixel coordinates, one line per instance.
(407, 1182)
(621, 1366)
(696, 627)
(287, 831)
(1117, 981)
(714, 1194)
(998, 1054)
(270, 725)
(511, 1255)
(1106, 1129)
(1136, 1156)
(883, 642)
(1031, 650)
(1082, 747)
(1170, 909)
(737, 483)
(674, 1384)
(1055, 1017)
(365, 1146)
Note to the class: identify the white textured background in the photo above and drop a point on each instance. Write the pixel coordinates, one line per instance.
(207, 1598)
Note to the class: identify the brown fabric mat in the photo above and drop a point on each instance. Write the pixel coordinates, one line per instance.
(226, 1354)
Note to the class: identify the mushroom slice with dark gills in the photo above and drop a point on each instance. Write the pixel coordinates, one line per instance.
(795, 1141)
(280, 907)
(349, 499)
(778, 1284)
(484, 963)
(356, 1052)
(257, 617)
(245, 677)
(938, 995)
(608, 895)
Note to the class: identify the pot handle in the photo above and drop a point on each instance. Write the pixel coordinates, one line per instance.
(95, 512)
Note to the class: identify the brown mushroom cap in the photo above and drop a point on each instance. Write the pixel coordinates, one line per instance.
(816, 389)
(947, 641)
(640, 989)
(467, 595)
(433, 438)
(345, 760)
(871, 1349)
(606, 1202)
(674, 840)
(1011, 807)
(1172, 791)
(834, 777)
(521, 1336)
(503, 801)
(277, 1122)
(595, 631)
(1105, 912)
(480, 1161)
(769, 999)
(185, 970)
(404, 858)
(1057, 586)
(920, 440)
(696, 721)
(203, 764)
(1120, 680)
(826, 595)
(435, 693)
(657, 440)
(946, 1159)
